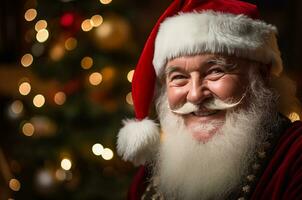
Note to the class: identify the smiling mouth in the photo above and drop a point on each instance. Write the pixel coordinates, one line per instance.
(203, 113)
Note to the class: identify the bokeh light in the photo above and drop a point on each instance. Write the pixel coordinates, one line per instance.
(130, 75)
(86, 62)
(30, 14)
(97, 149)
(95, 78)
(107, 154)
(60, 98)
(86, 25)
(27, 60)
(71, 43)
(96, 20)
(108, 73)
(42, 35)
(105, 1)
(39, 100)
(129, 99)
(17, 107)
(41, 24)
(24, 88)
(57, 52)
(66, 164)
(28, 129)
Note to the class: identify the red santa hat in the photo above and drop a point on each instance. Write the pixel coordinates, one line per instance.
(190, 27)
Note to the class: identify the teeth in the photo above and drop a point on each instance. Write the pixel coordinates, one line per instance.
(205, 113)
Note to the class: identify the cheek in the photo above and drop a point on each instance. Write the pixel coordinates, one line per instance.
(176, 96)
(228, 87)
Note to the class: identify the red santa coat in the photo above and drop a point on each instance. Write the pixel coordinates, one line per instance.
(281, 179)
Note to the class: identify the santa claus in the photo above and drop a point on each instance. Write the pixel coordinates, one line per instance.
(214, 71)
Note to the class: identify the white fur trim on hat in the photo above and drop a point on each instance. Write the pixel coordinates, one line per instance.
(216, 32)
(138, 140)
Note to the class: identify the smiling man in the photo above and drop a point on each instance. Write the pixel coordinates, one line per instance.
(214, 71)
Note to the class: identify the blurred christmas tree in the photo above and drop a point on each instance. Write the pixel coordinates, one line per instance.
(78, 61)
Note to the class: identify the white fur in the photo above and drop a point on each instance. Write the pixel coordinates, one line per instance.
(137, 140)
(215, 32)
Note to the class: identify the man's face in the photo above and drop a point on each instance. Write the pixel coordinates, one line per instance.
(201, 78)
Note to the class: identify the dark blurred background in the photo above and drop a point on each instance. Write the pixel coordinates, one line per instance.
(65, 85)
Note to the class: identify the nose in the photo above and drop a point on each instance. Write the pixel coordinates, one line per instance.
(198, 91)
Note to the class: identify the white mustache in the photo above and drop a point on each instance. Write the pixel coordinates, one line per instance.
(215, 104)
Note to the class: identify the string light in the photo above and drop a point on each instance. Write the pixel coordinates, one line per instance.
(129, 99)
(71, 44)
(105, 1)
(95, 78)
(28, 129)
(66, 164)
(86, 25)
(97, 149)
(60, 98)
(107, 154)
(24, 88)
(96, 20)
(42, 35)
(86, 62)
(130, 75)
(39, 100)
(30, 14)
(14, 185)
(27, 60)
(41, 24)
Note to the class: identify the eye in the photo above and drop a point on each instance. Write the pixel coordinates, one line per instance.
(215, 70)
(177, 77)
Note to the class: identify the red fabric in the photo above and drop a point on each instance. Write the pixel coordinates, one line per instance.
(281, 180)
(143, 83)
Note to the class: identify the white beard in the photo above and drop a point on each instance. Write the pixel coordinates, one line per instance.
(189, 170)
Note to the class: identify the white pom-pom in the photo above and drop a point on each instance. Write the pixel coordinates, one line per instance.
(138, 140)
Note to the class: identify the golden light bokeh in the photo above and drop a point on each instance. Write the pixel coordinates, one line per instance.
(57, 52)
(71, 43)
(28, 129)
(95, 78)
(294, 116)
(130, 75)
(42, 35)
(105, 30)
(14, 184)
(105, 1)
(96, 20)
(24, 88)
(41, 24)
(86, 25)
(27, 60)
(108, 73)
(97, 149)
(60, 98)
(66, 164)
(86, 62)
(39, 100)
(30, 14)
(107, 154)
(17, 107)
(129, 99)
